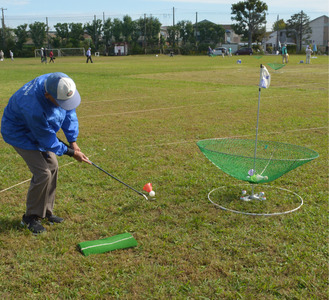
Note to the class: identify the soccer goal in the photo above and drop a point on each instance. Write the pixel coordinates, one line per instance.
(57, 52)
(62, 52)
(72, 52)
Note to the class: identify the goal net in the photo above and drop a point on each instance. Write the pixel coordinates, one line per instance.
(62, 52)
(57, 52)
(72, 52)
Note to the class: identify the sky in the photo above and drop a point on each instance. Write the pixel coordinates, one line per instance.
(18, 12)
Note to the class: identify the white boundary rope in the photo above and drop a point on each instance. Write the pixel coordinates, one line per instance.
(17, 184)
(258, 214)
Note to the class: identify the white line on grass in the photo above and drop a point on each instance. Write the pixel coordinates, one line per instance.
(168, 95)
(27, 180)
(227, 137)
(146, 110)
(185, 142)
(151, 109)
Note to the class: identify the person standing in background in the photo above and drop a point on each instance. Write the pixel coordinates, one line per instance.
(45, 55)
(284, 53)
(308, 54)
(88, 54)
(51, 56)
(41, 55)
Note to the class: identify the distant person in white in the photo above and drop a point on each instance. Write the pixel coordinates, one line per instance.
(88, 54)
(308, 54)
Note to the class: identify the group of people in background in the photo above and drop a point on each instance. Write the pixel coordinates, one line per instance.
(2, 55)
(43, 55)
(285, 55)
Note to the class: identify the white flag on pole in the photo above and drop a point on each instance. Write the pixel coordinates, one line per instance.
(265, 78)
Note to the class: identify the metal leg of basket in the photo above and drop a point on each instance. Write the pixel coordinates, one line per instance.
(254, 196)
(252, 190)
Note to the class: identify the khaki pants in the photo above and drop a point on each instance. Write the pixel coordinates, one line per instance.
(285, 58)
(41, 194)
(308, 58)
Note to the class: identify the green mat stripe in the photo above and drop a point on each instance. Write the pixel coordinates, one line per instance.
(106, 244)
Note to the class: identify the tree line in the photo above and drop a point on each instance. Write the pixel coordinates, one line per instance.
(144, 36)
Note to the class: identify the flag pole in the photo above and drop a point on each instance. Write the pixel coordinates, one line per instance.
(257, 123)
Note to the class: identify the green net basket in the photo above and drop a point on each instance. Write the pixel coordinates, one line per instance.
(235, 157)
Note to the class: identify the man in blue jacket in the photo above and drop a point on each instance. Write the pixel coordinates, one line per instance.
(33, 116)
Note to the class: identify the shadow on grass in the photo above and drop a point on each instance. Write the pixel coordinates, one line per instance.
(7, 224)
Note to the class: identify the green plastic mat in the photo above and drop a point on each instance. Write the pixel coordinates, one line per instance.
(276, 66)
(235, 157)
(120, 241)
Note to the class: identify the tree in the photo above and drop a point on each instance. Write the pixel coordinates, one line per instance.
(21, 34)
(117, 30)
(38, 33)
(172, 32)
(259, 34)
(210, 33)
(250, 15)
(298, 28)
(94, 29)
(107, 34)
(153, 26)
(62, 32)
(186, 32)
(279, 25)
(127, 28)
(76, 34)
(149, 29)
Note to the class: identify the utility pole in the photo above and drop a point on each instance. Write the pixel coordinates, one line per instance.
(196, 28)
(173, 25)
(301, 30)
(95, 34)
(277, 33)
(144, 33)
(47, 32)
(3, 28)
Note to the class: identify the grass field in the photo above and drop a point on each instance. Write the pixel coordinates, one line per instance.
(140, 119)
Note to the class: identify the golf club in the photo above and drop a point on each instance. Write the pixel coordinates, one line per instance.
(98, 167)
(107, 173)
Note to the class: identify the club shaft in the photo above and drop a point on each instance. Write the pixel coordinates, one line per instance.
(117, 179)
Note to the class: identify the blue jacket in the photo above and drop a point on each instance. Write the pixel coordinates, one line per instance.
(30, 121)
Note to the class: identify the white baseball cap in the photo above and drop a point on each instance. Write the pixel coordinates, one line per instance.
(63, 89)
